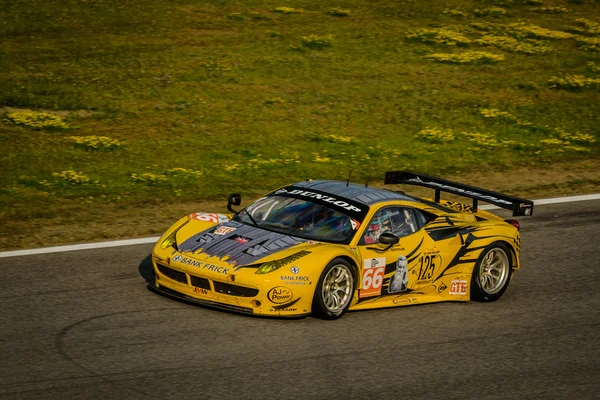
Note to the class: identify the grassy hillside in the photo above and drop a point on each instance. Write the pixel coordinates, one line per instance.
(114, 105)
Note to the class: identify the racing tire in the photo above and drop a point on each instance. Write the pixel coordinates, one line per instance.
(334, 291)
(492, 273)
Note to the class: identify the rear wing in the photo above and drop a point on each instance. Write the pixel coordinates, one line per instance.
(519, 207)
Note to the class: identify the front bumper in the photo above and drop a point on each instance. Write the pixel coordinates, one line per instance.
(175, 294)
(238, 292)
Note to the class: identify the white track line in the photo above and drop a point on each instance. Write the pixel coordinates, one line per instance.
(85, 246)
(555, 200)
(129, 242)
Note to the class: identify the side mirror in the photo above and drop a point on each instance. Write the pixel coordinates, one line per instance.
(233, 200)
(388, 238)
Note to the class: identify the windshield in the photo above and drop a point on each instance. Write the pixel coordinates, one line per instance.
(301, 218)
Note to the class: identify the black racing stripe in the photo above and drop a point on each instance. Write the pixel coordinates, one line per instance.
(443, 234)
(477, 248)
(416, 248)
(457, 260)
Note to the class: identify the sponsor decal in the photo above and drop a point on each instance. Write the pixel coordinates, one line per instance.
(280, 295)
(458, 287)
(458, 206)
(200, 264)
(526, 208)
(189, 261)
(459, 190)
(372, 277)
(401, 300)
(216, 268)
(294, 270)
(355, 224)
(294, 279)
(294, 282)
(322, 197)
(399, 282)
(200, 290)
(223, 230)
(241, 239)
(395, 247)
(442, 287)
(209, 217)
(286, 306)
(312, 242)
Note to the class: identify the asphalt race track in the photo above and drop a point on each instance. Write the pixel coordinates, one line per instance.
(83, 325)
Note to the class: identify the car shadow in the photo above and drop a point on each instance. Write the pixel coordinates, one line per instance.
(146, 270)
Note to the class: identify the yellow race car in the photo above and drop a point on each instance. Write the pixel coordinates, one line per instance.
(325, 247)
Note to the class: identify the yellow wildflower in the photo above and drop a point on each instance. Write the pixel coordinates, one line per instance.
(72, 177)
(436, 135)
(287, 10)
(468, 57)
(148, 178)
(95, 142)
(573, 82)
(509, 43)
(36, 120)
(445, 36)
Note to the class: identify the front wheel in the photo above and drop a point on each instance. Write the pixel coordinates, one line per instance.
(491, 274)
(334, 290)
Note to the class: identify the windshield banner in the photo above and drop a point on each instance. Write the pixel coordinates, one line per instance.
(349, 207)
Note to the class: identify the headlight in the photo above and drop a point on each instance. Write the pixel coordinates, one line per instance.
(171, 240)
(275, 265)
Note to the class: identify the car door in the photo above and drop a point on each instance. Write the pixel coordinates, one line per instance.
(403, 268)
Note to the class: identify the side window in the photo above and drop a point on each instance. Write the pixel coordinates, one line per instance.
(416, 218)
(401, 221)
(422, 218)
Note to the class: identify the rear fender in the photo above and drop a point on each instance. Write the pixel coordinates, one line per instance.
(515, 262)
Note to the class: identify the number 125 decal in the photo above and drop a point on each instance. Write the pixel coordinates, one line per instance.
(427, 265)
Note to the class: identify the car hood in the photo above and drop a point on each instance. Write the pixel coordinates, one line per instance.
(236, 243)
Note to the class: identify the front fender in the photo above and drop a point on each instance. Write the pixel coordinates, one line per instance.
(177, 225)
(301, 277)
(326, 253)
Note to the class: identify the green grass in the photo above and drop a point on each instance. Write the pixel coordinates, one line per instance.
(249, 97)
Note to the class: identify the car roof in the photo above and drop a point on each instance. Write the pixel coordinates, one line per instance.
(361, 193)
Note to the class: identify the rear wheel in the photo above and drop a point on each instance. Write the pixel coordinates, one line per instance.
(492, 272)
(334, 290)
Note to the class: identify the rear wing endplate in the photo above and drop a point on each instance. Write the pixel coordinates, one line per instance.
(519, 207)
